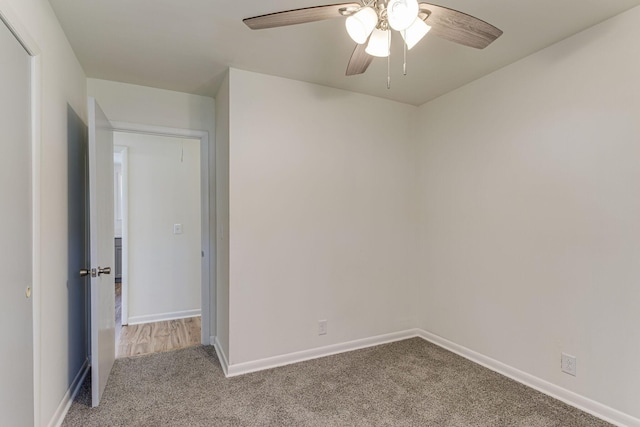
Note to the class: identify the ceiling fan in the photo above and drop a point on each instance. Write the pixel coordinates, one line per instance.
(369, 24)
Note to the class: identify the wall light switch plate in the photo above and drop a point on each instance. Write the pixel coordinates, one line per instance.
(177, 228)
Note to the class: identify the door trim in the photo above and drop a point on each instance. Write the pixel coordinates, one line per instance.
(12, 21)
(124, 281)
(203, 136)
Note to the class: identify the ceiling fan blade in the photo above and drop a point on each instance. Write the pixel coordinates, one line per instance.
(459, 27)
(359, 61)
(300, 16)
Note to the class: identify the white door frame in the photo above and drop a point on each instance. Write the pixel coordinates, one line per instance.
(203, 136)
(12, 22)
(124, 308)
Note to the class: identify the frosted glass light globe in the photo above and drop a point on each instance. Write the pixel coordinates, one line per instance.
(361, 24)
(378, 44)
(415, 33)
(402, 13)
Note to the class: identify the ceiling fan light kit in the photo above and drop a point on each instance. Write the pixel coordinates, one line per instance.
(369, 24)
(375, 19)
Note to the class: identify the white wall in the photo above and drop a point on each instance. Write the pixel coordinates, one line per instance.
(222, 214)
(123, 102)
(164, 189)
(530, 200)
(63, 82)
(144, 105)
(322, 223)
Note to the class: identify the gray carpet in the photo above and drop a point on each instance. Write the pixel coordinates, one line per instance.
(407, 383)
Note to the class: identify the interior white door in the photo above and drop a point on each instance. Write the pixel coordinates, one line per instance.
(102, 289)
(16, 312)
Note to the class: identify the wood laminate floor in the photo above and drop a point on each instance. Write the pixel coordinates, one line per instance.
(145, 338)
(155, 337)
(118, 313)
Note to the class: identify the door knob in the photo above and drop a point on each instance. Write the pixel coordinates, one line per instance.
(95, 271)
(86, 272)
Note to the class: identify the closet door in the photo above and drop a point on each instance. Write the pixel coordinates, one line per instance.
(16, 320)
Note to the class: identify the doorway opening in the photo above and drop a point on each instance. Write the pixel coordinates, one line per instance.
(161, 239)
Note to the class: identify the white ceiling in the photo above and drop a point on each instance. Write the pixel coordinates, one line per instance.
(186, 45)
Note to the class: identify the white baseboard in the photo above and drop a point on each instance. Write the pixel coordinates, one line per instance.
(300, 356)
(67, 399)
(592, 407)
(136, 320)
(222, 357)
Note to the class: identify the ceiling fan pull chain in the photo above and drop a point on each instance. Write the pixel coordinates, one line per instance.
(389, 62)
(404, 62)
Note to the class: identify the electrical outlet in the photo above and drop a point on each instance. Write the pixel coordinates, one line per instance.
(568, 364)
(322, 327)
